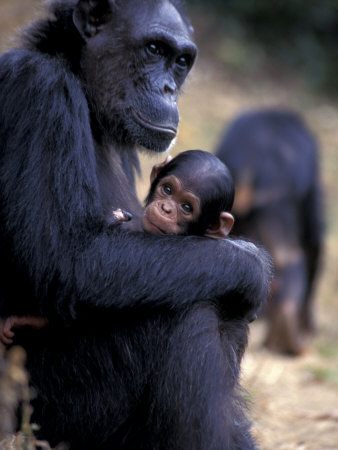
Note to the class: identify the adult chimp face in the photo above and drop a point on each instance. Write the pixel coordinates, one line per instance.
(135, 61)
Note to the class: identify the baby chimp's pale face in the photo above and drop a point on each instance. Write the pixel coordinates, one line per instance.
(172, 209)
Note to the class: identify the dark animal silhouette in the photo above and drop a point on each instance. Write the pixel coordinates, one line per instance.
(273, 158)
(145, 332)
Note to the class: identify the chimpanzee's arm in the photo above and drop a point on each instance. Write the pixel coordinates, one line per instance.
(142, 269)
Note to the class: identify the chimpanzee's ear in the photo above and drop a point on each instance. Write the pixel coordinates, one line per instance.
(222, 228)
(89, 16)
(158, 167)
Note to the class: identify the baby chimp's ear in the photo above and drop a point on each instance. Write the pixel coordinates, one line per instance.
(222, 228)
(158, 167)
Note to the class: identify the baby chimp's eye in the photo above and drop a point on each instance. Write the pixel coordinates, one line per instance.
(166, 188)
(187, 208)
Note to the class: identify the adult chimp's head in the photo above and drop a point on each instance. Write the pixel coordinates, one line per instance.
(135, 58)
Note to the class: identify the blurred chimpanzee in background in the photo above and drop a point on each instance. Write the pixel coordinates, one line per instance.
(273, 158)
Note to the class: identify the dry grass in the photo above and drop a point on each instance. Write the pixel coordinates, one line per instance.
(295, 400)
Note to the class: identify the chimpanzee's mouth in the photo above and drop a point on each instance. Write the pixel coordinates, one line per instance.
(155, 227)
(141, 120)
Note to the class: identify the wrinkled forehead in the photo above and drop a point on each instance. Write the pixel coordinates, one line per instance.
(154, 15)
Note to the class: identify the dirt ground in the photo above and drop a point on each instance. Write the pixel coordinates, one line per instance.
(294, 401)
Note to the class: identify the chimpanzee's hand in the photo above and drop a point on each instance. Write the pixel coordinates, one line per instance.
(12, 322)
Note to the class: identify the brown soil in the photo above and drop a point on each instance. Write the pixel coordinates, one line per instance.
(294, 400)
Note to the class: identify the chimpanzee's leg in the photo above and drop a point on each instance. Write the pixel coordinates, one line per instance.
(197, 404)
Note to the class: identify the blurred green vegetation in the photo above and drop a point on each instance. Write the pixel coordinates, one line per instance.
(298, 35)
(324, 375)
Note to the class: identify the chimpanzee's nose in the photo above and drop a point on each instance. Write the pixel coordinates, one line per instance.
(166, 207)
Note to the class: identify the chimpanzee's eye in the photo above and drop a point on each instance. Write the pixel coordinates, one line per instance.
(155, 48)
(166, 188)
(187, 208)
(183, 61)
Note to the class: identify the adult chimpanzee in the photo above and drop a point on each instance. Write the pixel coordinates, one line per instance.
(140, 359)
(273, 158)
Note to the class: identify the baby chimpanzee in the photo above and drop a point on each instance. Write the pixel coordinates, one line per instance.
(189, 194)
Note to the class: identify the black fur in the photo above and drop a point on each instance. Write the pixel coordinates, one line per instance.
(273, 154)
(135, 355)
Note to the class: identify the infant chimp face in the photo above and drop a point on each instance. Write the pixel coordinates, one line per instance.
(172, 208)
